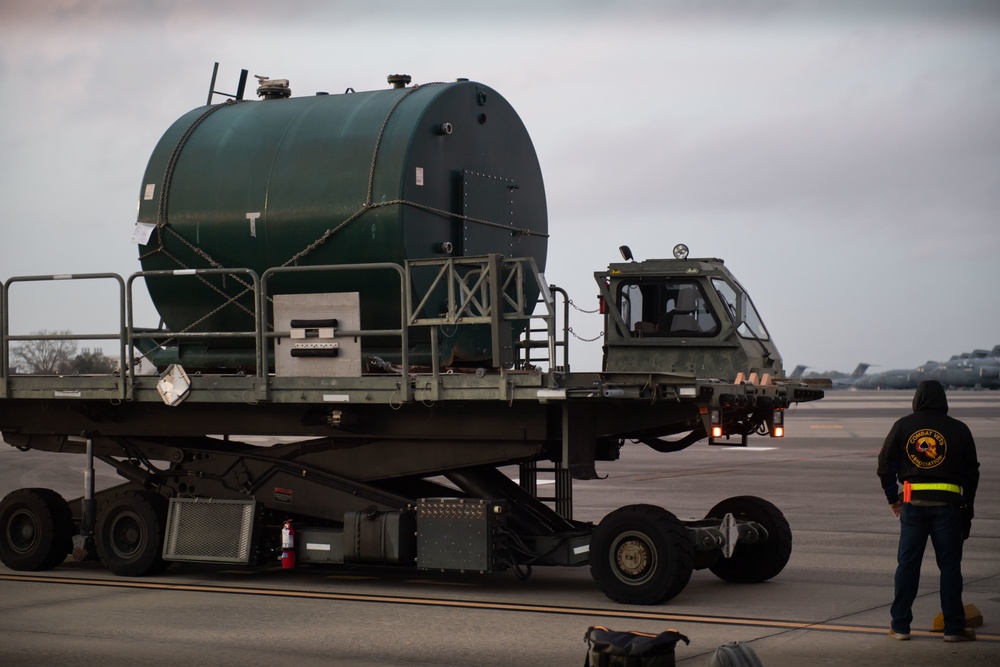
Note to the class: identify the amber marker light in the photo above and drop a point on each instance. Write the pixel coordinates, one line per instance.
(778, 424)
(715, 417)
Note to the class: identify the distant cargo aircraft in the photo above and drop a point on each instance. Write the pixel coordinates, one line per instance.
(899, 378)
(849, 381)
(797, 372)
(978, 369)
(969, 371)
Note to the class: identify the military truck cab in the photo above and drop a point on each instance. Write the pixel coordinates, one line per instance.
(682, 315)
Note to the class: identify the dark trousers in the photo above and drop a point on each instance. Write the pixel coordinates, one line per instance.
(944, 526)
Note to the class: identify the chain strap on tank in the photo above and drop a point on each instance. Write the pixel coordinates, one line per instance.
(370, 205)
(168, 173)
(381, 133)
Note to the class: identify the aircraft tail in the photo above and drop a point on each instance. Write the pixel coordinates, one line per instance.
(860, 370)
(797, 372)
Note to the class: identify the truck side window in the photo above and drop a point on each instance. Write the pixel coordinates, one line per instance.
(630, 301)
(739, 306)
(667, 309)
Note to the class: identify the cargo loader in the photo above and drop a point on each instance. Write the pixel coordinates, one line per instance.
(357, 336)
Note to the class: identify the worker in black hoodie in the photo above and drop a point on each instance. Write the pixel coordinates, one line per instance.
(934, 456)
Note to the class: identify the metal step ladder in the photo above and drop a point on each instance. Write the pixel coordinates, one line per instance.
(562, 499)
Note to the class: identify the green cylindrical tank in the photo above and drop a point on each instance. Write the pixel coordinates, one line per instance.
(379, 176)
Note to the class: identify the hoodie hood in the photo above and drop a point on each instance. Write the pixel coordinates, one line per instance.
(930, 396)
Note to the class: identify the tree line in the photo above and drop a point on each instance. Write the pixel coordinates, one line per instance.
(57, 357)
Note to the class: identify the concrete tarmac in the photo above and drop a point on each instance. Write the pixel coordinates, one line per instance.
(828, 607)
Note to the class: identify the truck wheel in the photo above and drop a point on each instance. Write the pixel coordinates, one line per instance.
(36, 529)
(130, 534)
(641, 554)
(753, 563)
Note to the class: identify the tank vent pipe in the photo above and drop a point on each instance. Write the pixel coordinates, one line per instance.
(399, 80)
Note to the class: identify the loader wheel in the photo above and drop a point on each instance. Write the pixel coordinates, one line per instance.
(130, 534)
(753, 563)
(641, 554)
(36, 529)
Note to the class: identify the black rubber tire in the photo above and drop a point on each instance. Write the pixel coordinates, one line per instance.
(130, 533)
(641, 554)
(36, 530)
(754, 563)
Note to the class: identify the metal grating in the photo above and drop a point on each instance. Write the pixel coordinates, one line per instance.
(206, 530)
(456, 533)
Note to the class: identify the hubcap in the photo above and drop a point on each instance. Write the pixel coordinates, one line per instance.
(634, 558)
(22, 531)
(126, 535)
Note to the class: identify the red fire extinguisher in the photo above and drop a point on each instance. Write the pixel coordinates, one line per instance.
(287, 546)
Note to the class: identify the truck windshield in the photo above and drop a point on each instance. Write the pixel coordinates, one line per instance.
(672, 308)
(739, 306)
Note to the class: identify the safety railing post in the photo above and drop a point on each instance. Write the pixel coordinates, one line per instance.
(7, 336)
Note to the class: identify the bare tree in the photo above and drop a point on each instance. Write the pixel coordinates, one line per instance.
(43, 357)
(90, 363)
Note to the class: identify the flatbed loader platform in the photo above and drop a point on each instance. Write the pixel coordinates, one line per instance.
(374, 459)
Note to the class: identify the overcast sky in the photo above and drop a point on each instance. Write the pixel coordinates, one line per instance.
(842, 157)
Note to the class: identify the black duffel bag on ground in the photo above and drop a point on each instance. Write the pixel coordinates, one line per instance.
(608, 648)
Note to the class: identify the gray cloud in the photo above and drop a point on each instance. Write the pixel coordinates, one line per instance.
(844, 157)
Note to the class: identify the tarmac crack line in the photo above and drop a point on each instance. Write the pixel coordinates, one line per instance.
(825, 625)
(785, 625)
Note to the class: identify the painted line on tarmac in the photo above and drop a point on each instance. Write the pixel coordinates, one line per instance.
(465, 604)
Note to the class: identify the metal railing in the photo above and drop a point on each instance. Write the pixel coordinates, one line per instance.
(165, 336)
(527, 343)
(490, 290)
(6, 337)
(402, 332)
